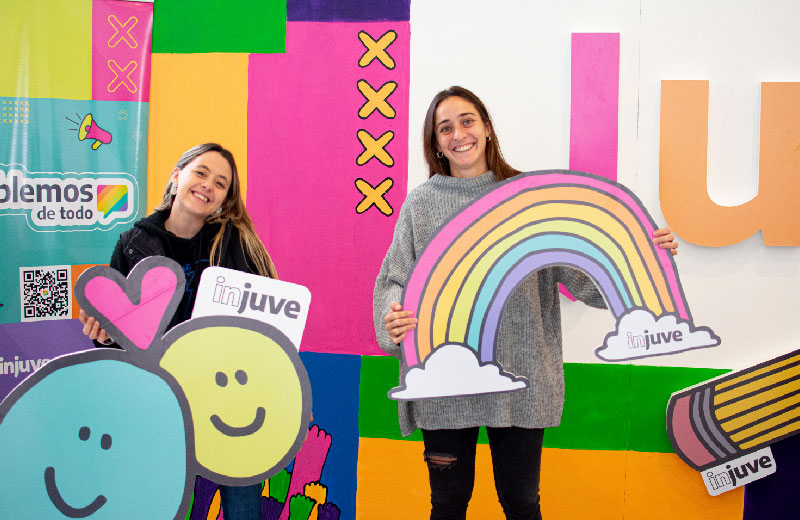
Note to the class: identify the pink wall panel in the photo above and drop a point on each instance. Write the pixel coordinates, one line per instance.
(594, 104)
(305, 154)
(121, 43)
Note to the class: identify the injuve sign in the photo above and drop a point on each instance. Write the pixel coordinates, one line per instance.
(685, 203)
(227, 292)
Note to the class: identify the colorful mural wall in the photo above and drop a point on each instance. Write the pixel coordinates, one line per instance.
(693, 108)
(74, 134)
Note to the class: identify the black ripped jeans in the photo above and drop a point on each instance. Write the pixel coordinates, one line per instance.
(516, 459)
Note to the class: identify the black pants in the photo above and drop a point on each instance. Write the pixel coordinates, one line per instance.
(238, 502)
(241, 502)
(516, 460)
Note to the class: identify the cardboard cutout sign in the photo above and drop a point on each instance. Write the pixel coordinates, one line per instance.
(723, 427)
(460, 282)
(234, 293)
(223, 397)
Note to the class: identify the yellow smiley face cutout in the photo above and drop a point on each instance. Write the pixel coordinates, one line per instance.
(248, 394)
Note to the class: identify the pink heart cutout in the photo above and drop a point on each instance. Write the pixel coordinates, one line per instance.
(139, 323)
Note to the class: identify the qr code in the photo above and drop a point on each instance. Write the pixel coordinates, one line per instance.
(45, 292)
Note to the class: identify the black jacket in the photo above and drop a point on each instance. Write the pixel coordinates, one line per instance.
(149, 237)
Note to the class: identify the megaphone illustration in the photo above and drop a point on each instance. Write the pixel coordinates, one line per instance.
(89, 129)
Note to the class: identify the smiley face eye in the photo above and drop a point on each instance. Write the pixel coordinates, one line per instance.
(105, 441)
(241, 376)
(222, 379)
(84, 432)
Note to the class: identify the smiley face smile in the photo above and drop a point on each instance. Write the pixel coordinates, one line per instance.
(61, 504)
(241, 431)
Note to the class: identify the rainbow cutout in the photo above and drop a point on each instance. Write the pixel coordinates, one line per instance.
(460, 282)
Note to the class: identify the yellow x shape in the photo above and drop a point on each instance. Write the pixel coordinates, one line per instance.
(374, 148)
(377, 49)
(376, 100)
(373, 196)
(118, 35)
(119, 79)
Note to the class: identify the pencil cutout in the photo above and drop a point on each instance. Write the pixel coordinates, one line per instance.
(724, 418)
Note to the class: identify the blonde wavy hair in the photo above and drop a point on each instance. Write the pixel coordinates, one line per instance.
(233, 211)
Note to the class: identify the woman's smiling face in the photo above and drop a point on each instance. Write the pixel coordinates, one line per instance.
(203, 184)
(461, 136)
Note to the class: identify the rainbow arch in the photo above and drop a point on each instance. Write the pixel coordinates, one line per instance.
(460, 282)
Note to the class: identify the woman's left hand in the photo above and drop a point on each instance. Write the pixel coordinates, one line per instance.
(664, 239)
(91, 328)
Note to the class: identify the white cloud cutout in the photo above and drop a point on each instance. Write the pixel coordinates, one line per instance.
(453, 370)
(639, 334)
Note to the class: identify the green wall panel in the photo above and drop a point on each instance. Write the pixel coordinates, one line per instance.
(608, 407)
(198, 26)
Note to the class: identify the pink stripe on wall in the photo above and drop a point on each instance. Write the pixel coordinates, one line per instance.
(121, 45)
(593, 130)
(303, 124)
(595, 103)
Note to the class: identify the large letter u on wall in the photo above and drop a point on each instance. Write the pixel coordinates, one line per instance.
(685, 202)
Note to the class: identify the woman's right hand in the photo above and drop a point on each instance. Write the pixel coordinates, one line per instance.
(399, 322)
(91, 328)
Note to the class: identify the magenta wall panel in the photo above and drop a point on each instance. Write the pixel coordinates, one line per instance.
(121, 44)
(595, 103)
(328, 160)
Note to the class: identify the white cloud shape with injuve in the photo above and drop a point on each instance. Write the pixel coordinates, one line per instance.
(639, 334)
(453, 370)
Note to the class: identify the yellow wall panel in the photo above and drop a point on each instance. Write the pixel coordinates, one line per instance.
(585, 484)
(195, 98)
(393, 482)
(663, 487)
(46, 49)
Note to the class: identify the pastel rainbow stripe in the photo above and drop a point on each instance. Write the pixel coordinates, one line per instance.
(112, 197)
(534, 220)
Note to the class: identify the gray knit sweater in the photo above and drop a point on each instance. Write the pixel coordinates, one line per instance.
(529, 335)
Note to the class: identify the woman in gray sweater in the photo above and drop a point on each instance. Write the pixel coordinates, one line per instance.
(464, 159)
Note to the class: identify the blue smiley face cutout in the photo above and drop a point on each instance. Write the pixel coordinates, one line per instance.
(109, 434)
(90, 435)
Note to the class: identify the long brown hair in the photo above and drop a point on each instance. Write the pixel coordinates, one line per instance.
(233, 211)
(494, 158)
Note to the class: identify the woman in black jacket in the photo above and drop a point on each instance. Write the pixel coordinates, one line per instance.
(202, 221)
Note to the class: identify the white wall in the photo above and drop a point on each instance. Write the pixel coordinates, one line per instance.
(516, 56)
